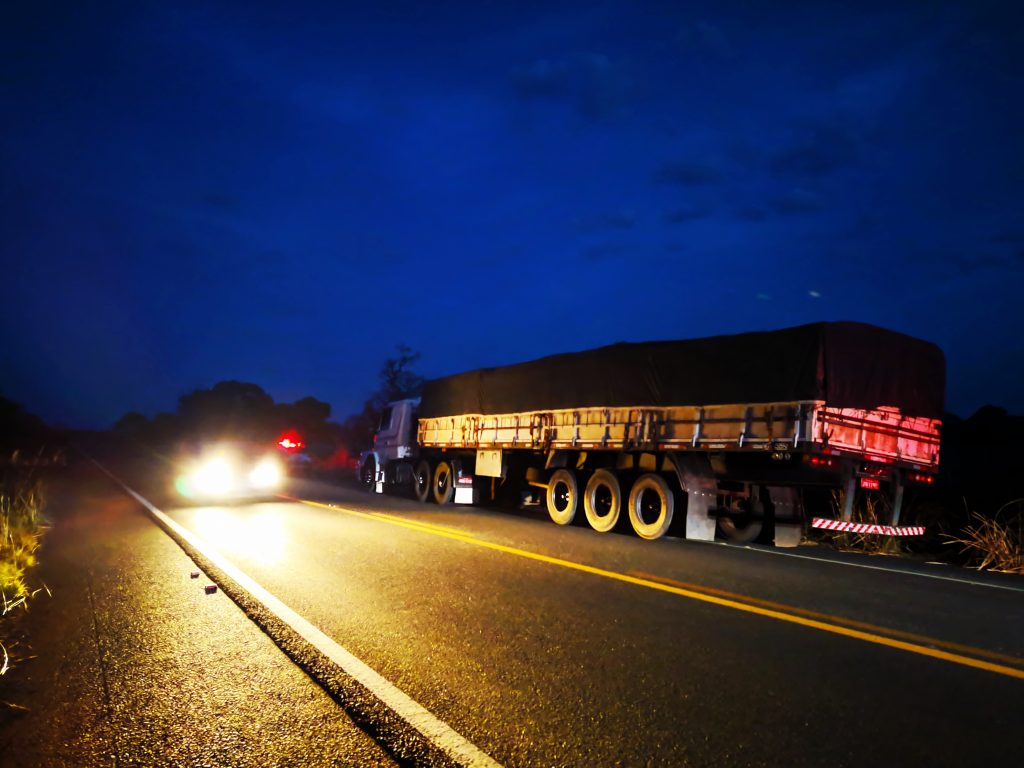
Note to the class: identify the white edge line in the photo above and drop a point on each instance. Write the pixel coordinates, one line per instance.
(439, 733)
(899, 571)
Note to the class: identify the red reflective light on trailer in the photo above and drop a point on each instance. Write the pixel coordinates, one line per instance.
(821, 461)
(920, 477)
(876, 457)
(874, 471)
(870, 483)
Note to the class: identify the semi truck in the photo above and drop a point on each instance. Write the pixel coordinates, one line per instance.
(730, 436)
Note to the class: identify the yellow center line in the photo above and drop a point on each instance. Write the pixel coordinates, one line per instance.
(746, 605)
(922, 639)
(378, 515)
(431, 526)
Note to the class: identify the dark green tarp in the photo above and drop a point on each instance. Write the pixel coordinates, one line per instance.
(848, 365)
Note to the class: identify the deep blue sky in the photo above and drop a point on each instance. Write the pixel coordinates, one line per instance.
(282, 196)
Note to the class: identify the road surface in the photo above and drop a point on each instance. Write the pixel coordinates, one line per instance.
(540, 645)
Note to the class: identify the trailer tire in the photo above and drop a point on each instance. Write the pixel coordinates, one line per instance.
(562, 496)
(368, 475)
(444, 483)
(602, 520)
(743, 532)
(421, 475)
(640, 503)
(744, 527)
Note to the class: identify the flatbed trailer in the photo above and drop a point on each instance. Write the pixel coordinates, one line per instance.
(878, 435)
(738, 465)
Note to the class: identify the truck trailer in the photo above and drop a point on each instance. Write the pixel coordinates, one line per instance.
(728, 435)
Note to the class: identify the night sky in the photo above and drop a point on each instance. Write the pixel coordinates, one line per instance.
(218, 191)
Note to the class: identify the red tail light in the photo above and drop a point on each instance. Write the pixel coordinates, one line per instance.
(821, 461)
(874, 470)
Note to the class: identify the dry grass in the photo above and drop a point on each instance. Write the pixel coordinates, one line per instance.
(871, 508)
(21, 503)
(996, 542)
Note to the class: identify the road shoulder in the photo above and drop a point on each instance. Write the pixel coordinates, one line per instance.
(131, 662)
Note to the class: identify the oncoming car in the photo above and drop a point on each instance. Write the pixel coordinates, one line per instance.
(228, 471)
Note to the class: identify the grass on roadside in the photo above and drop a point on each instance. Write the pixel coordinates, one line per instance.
(995, 542)
(21, 504)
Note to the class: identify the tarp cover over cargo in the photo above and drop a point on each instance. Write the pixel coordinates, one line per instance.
(848, 365)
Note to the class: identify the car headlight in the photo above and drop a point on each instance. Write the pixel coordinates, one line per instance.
(266, 474)
(213, 477)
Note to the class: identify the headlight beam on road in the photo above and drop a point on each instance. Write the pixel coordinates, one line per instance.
(439, 734)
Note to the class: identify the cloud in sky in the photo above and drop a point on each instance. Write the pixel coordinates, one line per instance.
(603, 251)
(1008, 238)
(706, 39)
(620, 220)
(594, 84)
(688, 174)
(819, 148)
(686, 213)
(752, 213)
(797, 202)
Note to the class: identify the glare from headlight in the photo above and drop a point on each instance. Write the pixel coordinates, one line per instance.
(266, 474)
(214, 477)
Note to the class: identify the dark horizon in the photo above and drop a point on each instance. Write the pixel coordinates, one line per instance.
(235, 192)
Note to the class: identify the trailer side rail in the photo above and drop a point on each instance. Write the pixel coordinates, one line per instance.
(883, 434)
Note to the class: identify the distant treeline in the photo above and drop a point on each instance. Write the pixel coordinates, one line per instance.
(981, 458)
(234, 410)
(980, 462)
(24, 435)
(243, 411)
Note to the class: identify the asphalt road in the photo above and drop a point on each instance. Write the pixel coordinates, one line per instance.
(546, 646)
(535, 644)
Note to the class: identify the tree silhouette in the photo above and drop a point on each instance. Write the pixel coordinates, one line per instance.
(397, 382)
(18, 427)
(231, 408)
(234, 410)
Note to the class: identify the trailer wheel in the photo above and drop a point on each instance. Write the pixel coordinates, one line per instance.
(602, 500)
(444, 483)
(650, 506)
(421, 481)
(562, 496)
(740, 530)
(368, 475)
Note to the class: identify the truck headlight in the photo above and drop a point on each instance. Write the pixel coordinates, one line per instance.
(213, 477)
(266, 474)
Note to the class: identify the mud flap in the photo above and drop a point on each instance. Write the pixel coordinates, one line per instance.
(698, 481)
(789, 527)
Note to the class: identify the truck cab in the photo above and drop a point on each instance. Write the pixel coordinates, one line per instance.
(394, 445)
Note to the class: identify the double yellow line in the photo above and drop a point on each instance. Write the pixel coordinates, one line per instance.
(869, 633)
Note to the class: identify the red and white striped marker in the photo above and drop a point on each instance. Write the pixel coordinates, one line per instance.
(887, 530)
